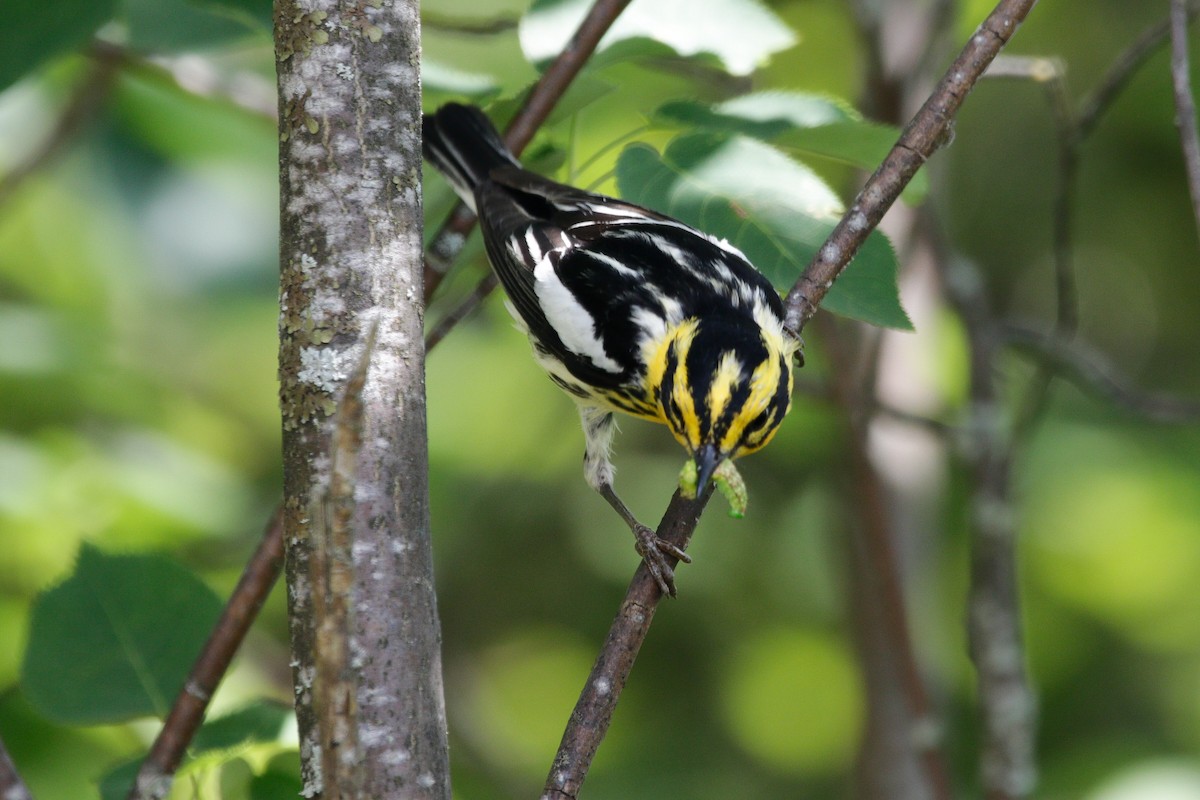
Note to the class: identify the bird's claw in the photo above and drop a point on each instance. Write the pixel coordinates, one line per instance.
(656, 553)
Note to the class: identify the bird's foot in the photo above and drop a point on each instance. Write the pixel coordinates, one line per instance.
(657, 553)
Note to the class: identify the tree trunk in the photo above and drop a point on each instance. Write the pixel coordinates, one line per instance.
(365, 633)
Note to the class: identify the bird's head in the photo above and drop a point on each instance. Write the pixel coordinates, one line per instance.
(723, 387)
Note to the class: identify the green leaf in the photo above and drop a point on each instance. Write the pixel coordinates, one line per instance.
(115, 640)
(35, 31)
(763, 115)
(116, 783)
(805, 125)
(173, 25)
(254, 724)
(777, 211)
(441, 78)
(186, 126)
(260, 722)
(280, 780)
(741, 34)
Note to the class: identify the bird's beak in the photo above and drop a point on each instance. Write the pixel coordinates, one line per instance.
(707, 458)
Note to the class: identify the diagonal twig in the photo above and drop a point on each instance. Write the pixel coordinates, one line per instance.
(593, 712)
(157, 771)
(594, 709)
(1092, 372)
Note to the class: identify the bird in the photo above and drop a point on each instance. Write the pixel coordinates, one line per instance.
(628, 311)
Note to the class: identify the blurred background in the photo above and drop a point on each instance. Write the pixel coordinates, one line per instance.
(138, 412)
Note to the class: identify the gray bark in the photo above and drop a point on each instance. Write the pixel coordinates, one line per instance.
(365, 632)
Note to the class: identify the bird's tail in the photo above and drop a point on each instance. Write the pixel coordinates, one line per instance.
(464, 146)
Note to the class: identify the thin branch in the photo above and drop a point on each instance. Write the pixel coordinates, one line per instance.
(1185, 103)
(460, 312)
(546, 93)
(85, 103)
(927, 131)
(590, 719)
(157, 771)
(594, 709)
(1100, 99)
(1073, 127)
(12, 786)
(936, 427)
(1092, 372)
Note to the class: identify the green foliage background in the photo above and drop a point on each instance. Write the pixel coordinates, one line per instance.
(138, 416)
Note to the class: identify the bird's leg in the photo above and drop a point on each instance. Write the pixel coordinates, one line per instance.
(598, 429)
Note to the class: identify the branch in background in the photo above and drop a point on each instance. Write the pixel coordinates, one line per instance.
(461, 311)
(1092, 372)
(12, 787)
(594, 709)
(85, 102)
(927, 131)
(546, 93)
(1185, 103)
(1100, 99)
(1007, 704)
(1073, 127)
(922, 137)
(157, 771)
(880, 603)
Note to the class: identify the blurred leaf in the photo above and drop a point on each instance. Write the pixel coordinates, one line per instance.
(260, 722)
(116, 783)
(794, 700)
(778, 212)
(34, 32)
(742, 34)
(441, 78)
(522, 686)
(280, 780)
(803, 124)
(763, 115)
(187, 126)
(116, 639)
(173, 25)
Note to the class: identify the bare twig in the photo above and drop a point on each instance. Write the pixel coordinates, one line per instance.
(927, 131)
(537, 107)
(157, 771)
(592, 713)
(1074, 126)
(594, 709)
(85, 102)
(460, 312)
(12, 787)
(1092, 372)
(1185, 103)
(1100, 99)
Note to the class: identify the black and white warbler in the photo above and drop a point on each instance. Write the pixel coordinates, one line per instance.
(627, 310)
